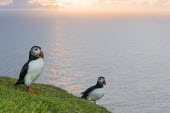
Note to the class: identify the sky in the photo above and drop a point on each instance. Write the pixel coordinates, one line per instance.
(112, 6)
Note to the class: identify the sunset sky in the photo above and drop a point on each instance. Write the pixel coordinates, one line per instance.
(108, 6)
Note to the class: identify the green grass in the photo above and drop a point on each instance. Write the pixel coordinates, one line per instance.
(51, 99)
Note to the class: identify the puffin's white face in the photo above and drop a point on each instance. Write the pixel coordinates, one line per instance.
(101, 80)
(36, 51)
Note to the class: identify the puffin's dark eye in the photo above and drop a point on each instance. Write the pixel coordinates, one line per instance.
(36, 49)
(100, 79)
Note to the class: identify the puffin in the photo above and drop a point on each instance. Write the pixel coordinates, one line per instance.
(32, 69)
(95, 92)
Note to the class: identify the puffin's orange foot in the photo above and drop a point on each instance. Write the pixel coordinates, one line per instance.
(34, 94)
(29, 89)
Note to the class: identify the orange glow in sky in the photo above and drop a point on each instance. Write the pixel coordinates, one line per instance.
(108, 6)
(105, 6)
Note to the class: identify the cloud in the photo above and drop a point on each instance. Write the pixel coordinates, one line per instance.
(46, 3)
(19, 4)
(56, 3)
(163, 2)
(89, 5)
(5, 2)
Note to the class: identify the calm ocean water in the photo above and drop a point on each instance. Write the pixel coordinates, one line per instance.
(132, 53)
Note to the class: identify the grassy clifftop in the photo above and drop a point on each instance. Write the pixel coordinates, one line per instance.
(51, 99)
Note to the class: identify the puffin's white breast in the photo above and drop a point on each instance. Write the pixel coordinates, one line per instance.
(96, 94)
(34, 70)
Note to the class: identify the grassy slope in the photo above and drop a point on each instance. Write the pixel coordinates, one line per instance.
(50, 100)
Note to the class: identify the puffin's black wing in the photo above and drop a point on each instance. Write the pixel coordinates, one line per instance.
(22, 74)
(86, 93)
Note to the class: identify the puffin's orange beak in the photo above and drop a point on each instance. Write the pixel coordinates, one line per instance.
(104, 82)
(42, 54)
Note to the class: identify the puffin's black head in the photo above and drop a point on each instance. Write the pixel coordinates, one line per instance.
(101, 81)
(36, 52)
